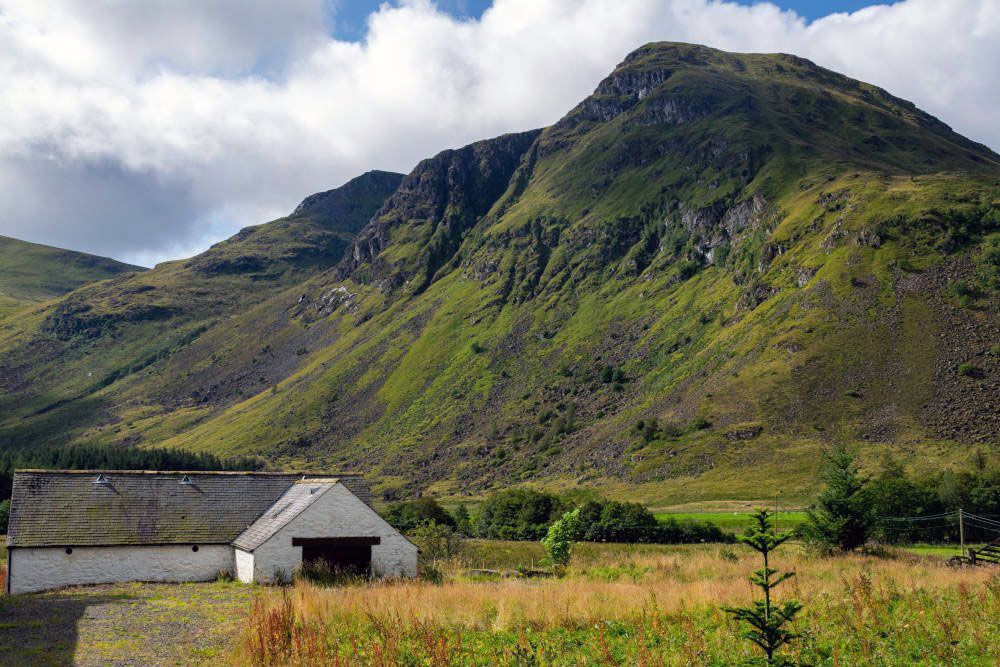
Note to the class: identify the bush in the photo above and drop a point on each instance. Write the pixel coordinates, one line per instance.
(4, 515)
(700, 424)
(407, 516)
(967, 370)
(613, 521)
(517, 514)
(672, 531)
(524, 514)
(321, 573)
(558, 541)
(436, 541)
(891, 494)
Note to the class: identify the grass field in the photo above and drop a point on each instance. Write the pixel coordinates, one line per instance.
(735, 522)
(629, 604)
(938, 550)
(616, 604)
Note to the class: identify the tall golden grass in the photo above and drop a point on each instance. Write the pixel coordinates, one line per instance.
(651, 607)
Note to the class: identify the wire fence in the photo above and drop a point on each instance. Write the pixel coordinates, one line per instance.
(947, 527)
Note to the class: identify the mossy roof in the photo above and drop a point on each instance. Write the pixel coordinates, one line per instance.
(70, 508)
(293, 502)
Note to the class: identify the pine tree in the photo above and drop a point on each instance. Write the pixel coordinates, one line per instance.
(463, 522)
(842, 517)
(766, 620)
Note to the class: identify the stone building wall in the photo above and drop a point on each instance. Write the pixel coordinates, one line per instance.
(41, 568)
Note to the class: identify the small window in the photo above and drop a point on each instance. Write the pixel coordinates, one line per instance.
(102, 479)
(194, 548)
(187, 480)
(69, 550)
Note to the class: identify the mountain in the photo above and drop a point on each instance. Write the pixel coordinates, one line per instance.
(30, 273)
(96, 355)
(703, 274)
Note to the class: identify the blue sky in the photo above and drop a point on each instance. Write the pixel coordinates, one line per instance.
(350, 15)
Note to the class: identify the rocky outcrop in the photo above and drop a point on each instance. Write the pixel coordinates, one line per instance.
(443, 197)
(70, 319)
(713, 226)
(351, 205)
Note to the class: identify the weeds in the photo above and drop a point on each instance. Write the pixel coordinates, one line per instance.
(645, 607)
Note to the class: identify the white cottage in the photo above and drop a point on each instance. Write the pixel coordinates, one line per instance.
(72, 527)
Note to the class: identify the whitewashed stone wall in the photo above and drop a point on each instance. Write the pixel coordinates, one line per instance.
(42, 568)
(244, 566)
(338, 513)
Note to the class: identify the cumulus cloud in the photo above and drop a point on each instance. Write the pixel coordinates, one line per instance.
(147, 130)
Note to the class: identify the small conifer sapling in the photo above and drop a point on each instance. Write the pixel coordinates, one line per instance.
(766, 620)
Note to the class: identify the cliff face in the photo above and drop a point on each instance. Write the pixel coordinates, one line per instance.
(421, 226)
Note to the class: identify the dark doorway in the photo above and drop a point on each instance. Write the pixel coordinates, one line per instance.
(346, 555)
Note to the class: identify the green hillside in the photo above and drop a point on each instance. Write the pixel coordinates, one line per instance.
(30, 272)
(708, 270)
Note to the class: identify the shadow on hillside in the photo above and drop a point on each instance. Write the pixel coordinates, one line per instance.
(43, 629)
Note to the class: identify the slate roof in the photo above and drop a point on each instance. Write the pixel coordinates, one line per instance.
(295, 500)
(66, 508)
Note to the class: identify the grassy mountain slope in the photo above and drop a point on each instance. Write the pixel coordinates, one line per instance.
(706, 271)
(30, 273)
(72, 363)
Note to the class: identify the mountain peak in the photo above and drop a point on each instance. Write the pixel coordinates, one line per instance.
(350, 204)
(782, 100)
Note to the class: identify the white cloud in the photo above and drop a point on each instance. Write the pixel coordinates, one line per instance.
(215, 114)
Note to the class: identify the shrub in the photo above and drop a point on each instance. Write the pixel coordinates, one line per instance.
(687, 268)
(558, 541)
(701, 423)
(406, 516)
(649, 429)
(517, 514)
(4, 515)
(320, 572)
(613, 521)
(436, 541)
(672, 531)
(967, 370)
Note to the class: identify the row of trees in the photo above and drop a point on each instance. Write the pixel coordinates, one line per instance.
(85, 457)
(851, 509)
(894, 508)
(525, 514)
